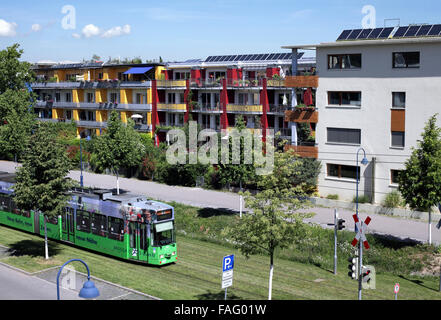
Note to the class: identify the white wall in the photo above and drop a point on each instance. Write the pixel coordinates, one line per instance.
(376, 80)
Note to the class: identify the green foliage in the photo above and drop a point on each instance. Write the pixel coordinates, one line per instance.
(307, 175)
(361, 199)
(393, 200)
(332, 197)
(420, 182)
(41, 182)
(14, 74)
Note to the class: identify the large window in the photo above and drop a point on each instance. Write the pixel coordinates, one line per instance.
(344, 98)
(398, 139)
(98, 224)
(341, 171)
(5, 203)
(398, 99)
(83, 221)
(163, 234)
(340, 135)
(394, 175)
(344, 61)
(116, 229)
(406, 60)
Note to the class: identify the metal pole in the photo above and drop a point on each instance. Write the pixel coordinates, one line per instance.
(81, 159)
(335, 240)
(396, 294)
(226, 294)
(240, 204)
(360, 267)
(430, 226)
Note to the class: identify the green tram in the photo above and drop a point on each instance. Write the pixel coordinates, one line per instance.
(126, 226)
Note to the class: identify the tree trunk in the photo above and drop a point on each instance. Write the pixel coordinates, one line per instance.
(46, 248)
(270, 287)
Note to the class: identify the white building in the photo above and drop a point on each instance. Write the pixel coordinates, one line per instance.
(376, 93)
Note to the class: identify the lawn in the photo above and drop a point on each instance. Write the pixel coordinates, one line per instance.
(197, 274)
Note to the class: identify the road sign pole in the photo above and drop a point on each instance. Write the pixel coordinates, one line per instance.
(226, 294)
(240, 205)
(360, 266)
(335, 241)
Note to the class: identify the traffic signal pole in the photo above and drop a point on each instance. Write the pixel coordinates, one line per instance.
(360, 266)
(335, 239)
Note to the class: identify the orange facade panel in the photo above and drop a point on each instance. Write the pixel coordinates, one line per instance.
(304, 151)
(301, 116)
(302, 81)
(398, 121)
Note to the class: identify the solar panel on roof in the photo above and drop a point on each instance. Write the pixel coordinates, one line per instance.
(286, 56)
(265, 56)
(299, 56)
(216, 59)
(208, 59)
(364, 34)
(247, 57)
(271, 57)
(238, 58)
(424, 30)
(260, 57)
(436, 29)
(255, 57)
(385, 33)
(375, 33)
(401, 32)
(223, 58)
(412, 31)
(354, 34)
(344, 35)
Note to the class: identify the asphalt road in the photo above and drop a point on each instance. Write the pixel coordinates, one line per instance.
(15, 285)
(394, 226)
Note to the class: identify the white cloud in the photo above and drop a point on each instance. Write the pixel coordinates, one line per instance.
(76, 35)
(36, 27)
(90, 31)
(7, 29)
(117, 31)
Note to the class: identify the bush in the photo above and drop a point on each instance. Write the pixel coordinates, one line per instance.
(361, 199)
(393, 200)
(332, 197)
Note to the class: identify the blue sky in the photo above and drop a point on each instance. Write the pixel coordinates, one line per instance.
(185, 29)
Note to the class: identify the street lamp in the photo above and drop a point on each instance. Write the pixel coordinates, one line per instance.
(360, 247)
(81, 159)
(89, 291)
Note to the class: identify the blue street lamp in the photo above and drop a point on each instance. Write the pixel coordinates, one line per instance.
(81, 159)
(363, 162)
(89, 291)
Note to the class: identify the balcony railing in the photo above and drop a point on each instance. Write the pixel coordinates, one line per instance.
(302, 115)
(244, 108)
(302, 81)
(304, 151)
(171, 83)
(172, 107)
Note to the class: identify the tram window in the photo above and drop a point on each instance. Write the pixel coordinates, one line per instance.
(143, 237)
(132, 232)
(116, 229)
(162, 238)
(83, 221)
(52, 219)
(99, 224)
(14, 209)
(5, 203)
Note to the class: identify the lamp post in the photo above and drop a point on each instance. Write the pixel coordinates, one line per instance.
(89, 291)
(360, 245)
(81, 159)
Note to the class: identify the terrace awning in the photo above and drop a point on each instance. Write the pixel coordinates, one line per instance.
(138, 70)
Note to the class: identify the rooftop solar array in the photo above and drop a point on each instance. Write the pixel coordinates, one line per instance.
(425, 30)
(253, 57)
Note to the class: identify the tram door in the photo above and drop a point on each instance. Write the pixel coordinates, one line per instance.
(68, 226)
(134, 240)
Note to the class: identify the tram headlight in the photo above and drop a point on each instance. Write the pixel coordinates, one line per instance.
(173, 253)
(161, 256)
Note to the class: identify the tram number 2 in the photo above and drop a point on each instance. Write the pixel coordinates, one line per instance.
(134, 253)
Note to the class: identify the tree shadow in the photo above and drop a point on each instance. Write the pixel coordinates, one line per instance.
(217, 296)
(32, 248)
(417, 282)
(392, 242)
(211, 212)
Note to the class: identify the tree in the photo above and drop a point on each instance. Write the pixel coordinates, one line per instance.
(274, 221)
(14, 74)
(120, 147)
(95, 57)
(41, 183)
(420, 182)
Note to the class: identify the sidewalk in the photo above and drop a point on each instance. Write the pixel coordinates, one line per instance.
(44, 284)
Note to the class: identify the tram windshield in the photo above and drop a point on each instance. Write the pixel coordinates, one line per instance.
(163, 234)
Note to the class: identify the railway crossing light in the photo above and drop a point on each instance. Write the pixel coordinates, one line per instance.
(368, 277)
(353, 268)
(340, 224)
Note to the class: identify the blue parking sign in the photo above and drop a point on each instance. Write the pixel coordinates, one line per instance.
(228, 263)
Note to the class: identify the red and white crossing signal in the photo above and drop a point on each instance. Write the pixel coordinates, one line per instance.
(360, 236)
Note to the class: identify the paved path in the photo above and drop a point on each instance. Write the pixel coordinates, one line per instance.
(397, 227)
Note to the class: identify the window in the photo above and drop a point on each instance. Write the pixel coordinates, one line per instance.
(57, 96)
(68, 114)
(100, 76)
(5, 203)
(339, 135)
(99, 224)
(171, 98)
(83, 221)
(394, 174)
(143, 237)
(114, 97)
(398, 139)
(344, 61)
(116, 229)
(52, 220)
(344, 98)
(68, 97)
(398, 99)
(341, 171)
(406, 59)
(139, 98)
(163, 234)
(243, 98)
(90, 97)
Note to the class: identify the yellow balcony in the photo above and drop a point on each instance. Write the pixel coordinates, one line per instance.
(172, 107)
(244, 108)
(171, 83)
